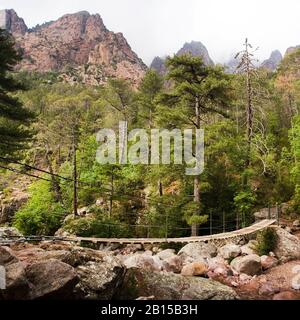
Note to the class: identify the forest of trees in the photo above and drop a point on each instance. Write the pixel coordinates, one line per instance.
(252, 147)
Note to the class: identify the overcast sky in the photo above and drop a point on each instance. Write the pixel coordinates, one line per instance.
(160, 27)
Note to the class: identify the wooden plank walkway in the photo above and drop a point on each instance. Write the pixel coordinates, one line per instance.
(219, 236)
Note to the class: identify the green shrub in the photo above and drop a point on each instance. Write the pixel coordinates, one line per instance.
(267, 241)
(41, 215)
(97, 226)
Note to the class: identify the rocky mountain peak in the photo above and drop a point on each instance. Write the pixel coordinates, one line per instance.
(273, 61)
(158, 64)
(10, 21)
(197, 49)
(79, 42)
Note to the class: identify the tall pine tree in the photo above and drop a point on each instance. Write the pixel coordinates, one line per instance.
(198, 91)
(14, 118)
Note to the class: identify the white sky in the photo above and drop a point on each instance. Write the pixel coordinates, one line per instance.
(160, 27)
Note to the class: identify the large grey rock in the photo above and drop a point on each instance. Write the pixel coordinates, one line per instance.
(230, 251)
(144, 261)
(171, 286)
(249, 247)
(165, 254)
(198, 251)
(288, 246)
(249, 264)
(51, 279)
(100, 280)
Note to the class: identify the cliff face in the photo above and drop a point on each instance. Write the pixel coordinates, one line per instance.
(79, 42)
(10, 21)
(273, 61)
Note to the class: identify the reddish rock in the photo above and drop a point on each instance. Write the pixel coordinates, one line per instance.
(80, 46)
(268, 262)
(195, 269)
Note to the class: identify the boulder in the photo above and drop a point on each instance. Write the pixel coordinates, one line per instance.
(218, 266)
(288, 246)
(230, 251)
(9, 232)
(249, 264)
(79, 256)
(7, 256)
(144, 261)
(16, 286)
(249, 247)
(99, 280)
(171, 286)
(198, 251)
(268, 262)
(195, 269)
(173, 264)
(165, 254)
(51, 279)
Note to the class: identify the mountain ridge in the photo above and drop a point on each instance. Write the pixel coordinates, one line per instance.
(73, 41)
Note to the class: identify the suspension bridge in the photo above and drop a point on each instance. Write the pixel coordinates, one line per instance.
(219, 238)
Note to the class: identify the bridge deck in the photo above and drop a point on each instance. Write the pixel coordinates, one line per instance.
(226, 235)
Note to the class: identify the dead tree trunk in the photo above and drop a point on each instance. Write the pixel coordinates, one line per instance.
(194, 229)
(249, 106)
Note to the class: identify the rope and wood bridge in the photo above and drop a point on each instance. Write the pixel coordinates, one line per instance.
(219, 238)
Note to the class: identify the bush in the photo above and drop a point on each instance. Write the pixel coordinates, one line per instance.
(97, 226)
(41, 215)
(267, 241)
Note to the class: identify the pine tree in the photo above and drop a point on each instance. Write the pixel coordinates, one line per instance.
(13, 116)
(198, 91)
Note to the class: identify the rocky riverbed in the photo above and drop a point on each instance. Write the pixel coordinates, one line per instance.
(198, 271)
